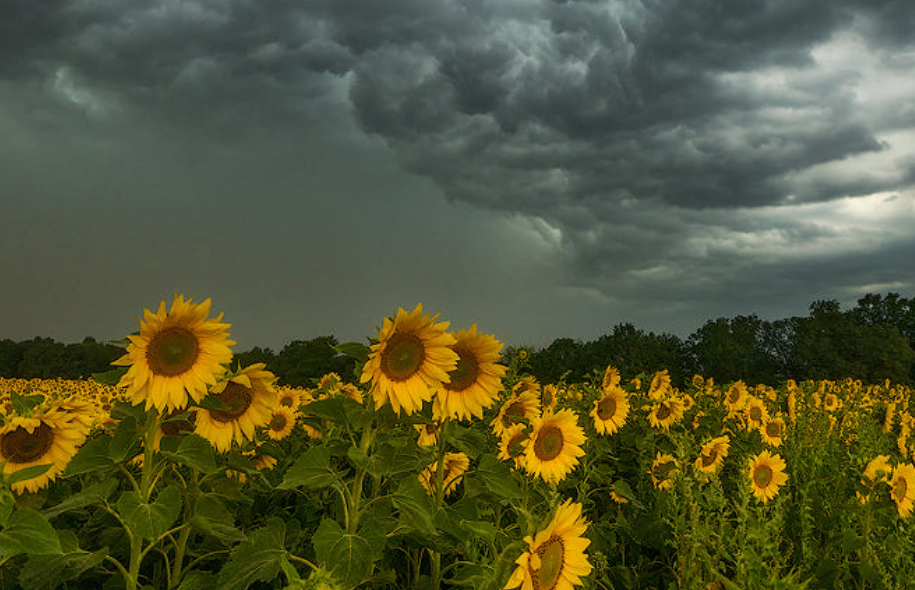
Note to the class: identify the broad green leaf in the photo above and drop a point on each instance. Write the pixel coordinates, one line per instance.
(398, 457)
(348, 557)
(415, 507)
(212, 517)
(331, 408)
(355, 350)
(23, 404)
(479, 529)
(28, 473)
(125, 442)
(198, 580)
(28, 531)
(111, 377)
(362, 461)
(149, 520)
(7, 504)
(312, 471)
(255, 559)
(90, 457)
(194, 451)
(93, 494)
(497, 477)
(42, 572)
(623, 489)
(211, 402)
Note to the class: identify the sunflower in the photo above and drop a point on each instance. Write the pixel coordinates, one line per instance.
(411, 360)
(556, 558)
(903, 488)
(513, 444)
(772, 431)
(476, 380)
(523, 405)
(877, 470)
(611, 378)
(281, 423)
(660, 385)
(663, 470)
(250, 398)
(755, 412)
(555, 445)
(665, 413)
(48, 438)
(712, 455)
(735, 398)
(549, 396)
(767, 475)
(176, 354)
(428, 434)
(288, 397)
(831, 402)
(610, 411)
(455, 466)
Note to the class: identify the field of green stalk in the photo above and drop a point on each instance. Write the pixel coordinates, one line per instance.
(439, 463)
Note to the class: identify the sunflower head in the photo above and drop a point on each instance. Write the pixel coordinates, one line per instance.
(524, 405)
(455, 465)
(247, 398)
(712, 455)
(177, 354)
(902, 488)
(767, 475)
(513, 444)
(663, 470)
(477, 377)
(412, 359)
(282, 422)
(554, 446)
(610, 411)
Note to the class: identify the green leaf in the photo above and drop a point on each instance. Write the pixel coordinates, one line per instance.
(93, 494)
(355, 350)
(194, 451)
(212, 517)
(126, 438)
(312, 470)
(211, 402)
(415, 508)
(111, 377)
(28, 531)
(255, 559)
(623, 489)
(198, 580)
(362, 461)
(149, 520)
(498, 478)
(398, 456)
(91, 456)
(7, 504)
(23, 404)
(348, 557)
(479, 529)
(331, 408)
(50, 571)
(28, 473)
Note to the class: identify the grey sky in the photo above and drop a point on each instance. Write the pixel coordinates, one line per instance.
(543, 169)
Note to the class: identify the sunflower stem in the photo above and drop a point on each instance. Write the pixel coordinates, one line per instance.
(435, 569)
(181, 545)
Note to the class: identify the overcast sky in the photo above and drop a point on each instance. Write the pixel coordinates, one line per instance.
(542, 168)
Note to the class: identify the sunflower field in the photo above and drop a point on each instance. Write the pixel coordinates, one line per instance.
(440, 463)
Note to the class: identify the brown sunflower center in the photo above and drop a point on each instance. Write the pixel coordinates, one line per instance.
(606, 407)
(516, 409)
(549, 443)
(402, 357)
(774, 429)
(762, 476)
(172, 351)
(734, 396)
(172, 427)
(708, 459)
(516, 444)
(22, 446)
(466, 372)
(237, 397)
(286, 400)
(899, 489)
(663, 412)
(552, 560)
(278, 422)
(755, 413)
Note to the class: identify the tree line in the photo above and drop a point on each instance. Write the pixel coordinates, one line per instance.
(873, 341)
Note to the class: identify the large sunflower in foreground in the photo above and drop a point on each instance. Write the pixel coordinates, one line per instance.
(51, 437)
(411, 360)
(713, 453)
(476, 380)
(610, 411)
(176, 354)
(902, 488)
(250, 400)
(554, 446)
(556, 558)
(767, 475)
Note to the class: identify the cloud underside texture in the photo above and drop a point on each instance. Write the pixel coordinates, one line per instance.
(651, 142)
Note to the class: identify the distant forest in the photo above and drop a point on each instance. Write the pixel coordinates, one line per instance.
(872, 341)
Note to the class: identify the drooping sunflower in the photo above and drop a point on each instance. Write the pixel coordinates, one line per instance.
(455, 466)
(47, 438)
(611, 378)
(712, 455)
(513, 444)
(281, 424)
(556, 558)
(523, 405)
(735, 398)
(250, 398)
(773, 431)
(665, 413)
(902, 488)
(554, 446)
(549, 396)
(176, 355)
(663, 470)
(411, 360)
(610, 411)
(660, 385)
(767, 475)
(877, 470)
(428, 434)
(476, 380)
